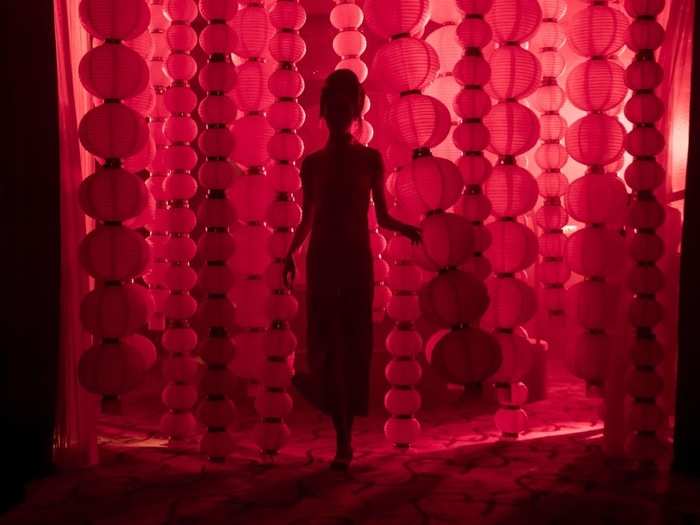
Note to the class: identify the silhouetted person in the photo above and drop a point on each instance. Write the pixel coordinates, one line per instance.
(337, 181)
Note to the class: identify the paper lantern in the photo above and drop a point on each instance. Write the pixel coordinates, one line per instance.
(514, 20)
(595, 139)
(254, 30)
(596, 31)
(511, 190)
(453, 298)
(396, 17)
(447, 240)
(110, 19)
(466, 356)
(419, 121)
(428, 183)
(406, 64)
(515, 73)
(596, 85)
(513, 128)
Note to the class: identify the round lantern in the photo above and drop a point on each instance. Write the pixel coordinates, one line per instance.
(396, 17)
(466, 356)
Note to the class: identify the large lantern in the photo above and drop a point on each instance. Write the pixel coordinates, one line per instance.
(112, 253)
(512, 190)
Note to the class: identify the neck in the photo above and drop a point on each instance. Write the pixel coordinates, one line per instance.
(339, 136)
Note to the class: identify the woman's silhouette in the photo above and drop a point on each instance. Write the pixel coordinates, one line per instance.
(337, 181)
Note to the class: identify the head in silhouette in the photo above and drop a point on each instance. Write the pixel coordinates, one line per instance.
(342, 98)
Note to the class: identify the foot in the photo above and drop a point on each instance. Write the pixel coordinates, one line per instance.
(343, 457)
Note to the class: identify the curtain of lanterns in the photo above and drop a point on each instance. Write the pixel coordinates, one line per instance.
(550, 156)
(512, 190)
(156, 227)
(456, 299)
(645, 215)
(179, 338)
(598, 198)
(286, 116)
(112, 253)
(406, 65)
(215, 316)
(250, 191)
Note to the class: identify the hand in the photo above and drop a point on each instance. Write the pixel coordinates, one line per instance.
(412, 232)
(289, 271)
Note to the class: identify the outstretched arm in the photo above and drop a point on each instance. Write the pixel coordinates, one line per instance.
(384, 219)
(304, 227)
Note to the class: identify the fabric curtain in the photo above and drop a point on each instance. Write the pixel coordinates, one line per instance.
(75, 443)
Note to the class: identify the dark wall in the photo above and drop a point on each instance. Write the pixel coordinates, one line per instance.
(30, 193)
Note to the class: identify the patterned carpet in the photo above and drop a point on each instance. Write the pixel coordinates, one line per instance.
(459, 472)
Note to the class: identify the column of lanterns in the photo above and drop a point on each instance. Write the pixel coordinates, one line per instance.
(445, 87)
(405, 65)
(598, 198)
(215, 317)
(471, 136)
(250, 191)
(179, 338)
(512, 191)
(550, 156)
(456, 299)
(349, 44)
(286, 116)
(645, 215)
(157, 227)
(112, 253)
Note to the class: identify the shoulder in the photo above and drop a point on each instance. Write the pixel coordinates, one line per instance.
(370, 155)
(311, 159)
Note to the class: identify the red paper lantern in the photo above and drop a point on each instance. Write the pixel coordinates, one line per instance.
(596, 85)
(595, 139)
(447, 241)
(514, 128)
(515, 73)
(406, 64)
(428, 183)
(453, 298)
(112, 19)
(514, 20)
(466, 356)
(511, 190)
(396, 17)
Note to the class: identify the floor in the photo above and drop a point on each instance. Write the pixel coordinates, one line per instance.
(459, 472)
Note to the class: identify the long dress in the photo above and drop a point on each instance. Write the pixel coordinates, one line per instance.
(339, 276)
